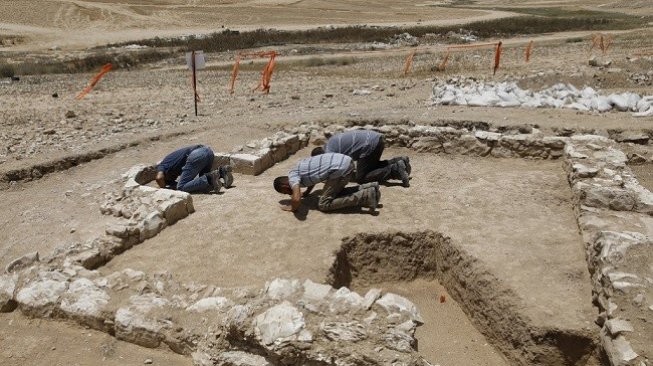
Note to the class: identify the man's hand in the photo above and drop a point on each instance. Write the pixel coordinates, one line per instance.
(161, 179)
(287, 208)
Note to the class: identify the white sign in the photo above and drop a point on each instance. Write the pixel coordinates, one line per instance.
(199, 60)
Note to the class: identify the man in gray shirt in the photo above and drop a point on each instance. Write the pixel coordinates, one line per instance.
(335, 170)
(366, 148)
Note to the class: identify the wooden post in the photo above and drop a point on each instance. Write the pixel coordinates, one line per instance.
(192, 60)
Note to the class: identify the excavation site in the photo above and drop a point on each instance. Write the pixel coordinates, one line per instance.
(313, 183)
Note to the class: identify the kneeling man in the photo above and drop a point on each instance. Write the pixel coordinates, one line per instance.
(192, 165)
(335, 170)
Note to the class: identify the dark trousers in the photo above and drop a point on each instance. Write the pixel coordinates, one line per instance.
(372, 168)
(193, 178)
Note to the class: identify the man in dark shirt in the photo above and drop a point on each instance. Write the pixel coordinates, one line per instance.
(366, 147)
(192, 165)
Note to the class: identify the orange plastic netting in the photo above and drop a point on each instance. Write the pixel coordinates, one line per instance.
(266, 74)
(94, 80)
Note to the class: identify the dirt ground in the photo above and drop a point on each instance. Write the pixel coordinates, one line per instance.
(514, 215)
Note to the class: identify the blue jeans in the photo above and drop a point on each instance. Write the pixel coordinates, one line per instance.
(193, 178)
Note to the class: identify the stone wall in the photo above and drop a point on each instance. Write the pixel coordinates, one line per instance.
(614, 217)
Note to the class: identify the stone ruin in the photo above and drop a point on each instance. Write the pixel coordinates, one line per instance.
(299, 322)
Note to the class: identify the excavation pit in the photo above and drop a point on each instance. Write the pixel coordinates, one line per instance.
(513, 217)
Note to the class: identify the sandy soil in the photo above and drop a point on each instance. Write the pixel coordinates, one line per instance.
(38, 342)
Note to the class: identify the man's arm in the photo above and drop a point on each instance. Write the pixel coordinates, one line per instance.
(308, 191)
(295, 200)
(161, 179)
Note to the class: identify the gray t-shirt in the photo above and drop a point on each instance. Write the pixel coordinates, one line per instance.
(357, 144)
(320, 168)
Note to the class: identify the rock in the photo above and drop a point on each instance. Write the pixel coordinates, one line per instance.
(635, 138)
(40, 297)
(636, 159)
(345, 300)
(86, 303)
(210, 304)
(22, 262)
(618, 326)
(151, 225)
(7, 289)
(316, 291)
(397, 304)
(370, 298)
(240, 358)
(399, 341)
(247, 164)
(619, 350)
(279, 323)
(147, 361)
(70, 114)
(282, 288)
(135, 323)
(344, 331)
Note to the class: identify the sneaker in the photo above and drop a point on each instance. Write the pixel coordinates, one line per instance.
(406, 160)
(214, 178)
(374, 185)
(403, 174)
(372, 199)
(225, 174)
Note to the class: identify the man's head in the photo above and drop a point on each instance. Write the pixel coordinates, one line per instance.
(282, 185)
(317, 151)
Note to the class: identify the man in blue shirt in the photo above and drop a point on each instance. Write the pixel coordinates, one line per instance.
(192, 165)
(335, 170)
(366, 148)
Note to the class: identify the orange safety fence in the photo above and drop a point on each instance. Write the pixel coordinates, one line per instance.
(444, 62)
(409, 62)
(602, 42)
(529, 49)
(497, 57)
(94, 80)
(266, 74)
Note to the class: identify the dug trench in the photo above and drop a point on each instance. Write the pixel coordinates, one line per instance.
(368, 260)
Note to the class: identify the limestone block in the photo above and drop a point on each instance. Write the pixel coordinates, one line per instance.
(280, 288)
(240, 358)
(86, 303)
(40, 297)
(173, 210)
(428, 144)
(582, 171)
(238, 314)
(7, 289)
(246, 164)
(279, 153)
(316, 291)
(398, 340)
(279, 323)
(344, 331)
(489, 136)
(292, 143)
(611, 246)
(345, 300)
(618, 326)
(370, 298)
(22, 262)
(136, 323)
(219, 160)
(141, 173)
(395, 304)
(210, 304)
(467, 145)
(619, 350)
(136, 328)
(90, 258)
(151, 225)
(266, 158)
(123, 231)
(594, 195)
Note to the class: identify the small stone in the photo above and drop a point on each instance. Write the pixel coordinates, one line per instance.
(148, 361)
(617, 326)
(70, 114)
